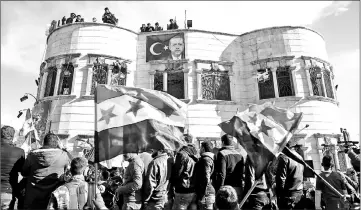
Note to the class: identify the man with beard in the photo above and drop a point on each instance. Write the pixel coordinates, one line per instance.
(108, 17)
(176, 46)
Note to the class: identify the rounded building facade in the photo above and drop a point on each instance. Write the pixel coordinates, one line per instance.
(215, 73)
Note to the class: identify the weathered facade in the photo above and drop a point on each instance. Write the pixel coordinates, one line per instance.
(218, 74)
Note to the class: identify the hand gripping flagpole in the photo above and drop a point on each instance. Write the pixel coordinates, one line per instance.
(248, 193)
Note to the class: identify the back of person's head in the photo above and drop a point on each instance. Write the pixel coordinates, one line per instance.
(51, 141)
(207, 146)
(188, 138)
(78, 165)
(327, 161)
(7, 134)
(156, 23)
(227, 140)
(226, 198)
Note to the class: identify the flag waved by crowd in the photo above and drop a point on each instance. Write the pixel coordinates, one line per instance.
(29, 132)
(131, 120)
(263, 131)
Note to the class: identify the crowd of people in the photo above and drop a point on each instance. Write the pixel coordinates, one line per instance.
(193, 178)
(149, 28)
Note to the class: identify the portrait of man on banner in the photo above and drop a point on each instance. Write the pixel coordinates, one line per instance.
(165, 47)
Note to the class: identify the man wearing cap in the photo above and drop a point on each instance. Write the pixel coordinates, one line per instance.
(172, 25)
(332, 199)
(70, 20)
(289, 180)
(108, 17)
(149, 28)
(157, 27)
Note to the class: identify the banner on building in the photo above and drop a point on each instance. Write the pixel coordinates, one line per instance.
(165, 47)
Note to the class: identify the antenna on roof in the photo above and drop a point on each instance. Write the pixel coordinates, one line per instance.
(185, 19)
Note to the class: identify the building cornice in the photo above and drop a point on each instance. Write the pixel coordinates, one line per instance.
(266, 60)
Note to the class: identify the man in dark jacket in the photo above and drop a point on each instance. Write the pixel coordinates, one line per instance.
(172, 25)
(183, 179)
(204, 170)
(143, 28)
(228, 166)
(12, 160)
(355, 158)
(71, 18)
(132, 182)
(108, 17)
(149, 28)
(258, 199)
(43, 167)
(156, 182)
(289, 181)
(157, 27)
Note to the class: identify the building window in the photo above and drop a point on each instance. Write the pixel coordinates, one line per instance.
(100, 75)
(215, 85)
(50, 82)
(119, 75)
(175, 84)
(265, 84)
(158, 81)
(328, 84)
(284, 81)
(316, 81)
(66, 79)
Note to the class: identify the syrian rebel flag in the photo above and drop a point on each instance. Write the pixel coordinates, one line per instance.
(263, 131)
(28, 130)
(131, 120)
(158, 46)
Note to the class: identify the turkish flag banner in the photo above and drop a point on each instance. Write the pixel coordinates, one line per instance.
(158, 47)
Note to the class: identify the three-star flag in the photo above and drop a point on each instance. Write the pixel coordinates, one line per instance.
(133, 119)
(263, 131)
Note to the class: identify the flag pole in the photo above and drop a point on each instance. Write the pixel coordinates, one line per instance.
(289, 154)
(248, 193)
(95, 143)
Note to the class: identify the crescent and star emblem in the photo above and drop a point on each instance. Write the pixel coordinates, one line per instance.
(151, 49)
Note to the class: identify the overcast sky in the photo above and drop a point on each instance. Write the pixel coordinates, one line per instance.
(23, 37)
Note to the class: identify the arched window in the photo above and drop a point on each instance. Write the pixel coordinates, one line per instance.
(328, 84)
(119, 75)
(100, 75)
(50, 82)
(66, 79)
(284, 81)
(316, 81)
(265, 84)
(158, 81)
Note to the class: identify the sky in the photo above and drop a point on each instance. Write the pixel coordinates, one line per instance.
(23, 39)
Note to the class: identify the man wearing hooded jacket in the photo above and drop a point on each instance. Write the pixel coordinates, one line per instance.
(43, 167)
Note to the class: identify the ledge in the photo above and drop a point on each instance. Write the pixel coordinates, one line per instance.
(168, 61)
(315, 58)
(87, 97)
(222, 102)
(59, 97)
(186, 30)
(295, 98)
(72, 55)
(223, 63)
(92, 55)
(88, 24)
(272, 59)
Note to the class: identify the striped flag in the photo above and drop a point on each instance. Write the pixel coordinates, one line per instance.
(130, 120)
(263, 131)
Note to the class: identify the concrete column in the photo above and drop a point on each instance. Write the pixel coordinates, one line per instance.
(43, 84)
(165, 81)
(89, 79)
(275, 83)
(323, 84)
(231, 85)
(293, 73)
(73, 81)
(151, 79)
(57, 80)
(186, 73)
(309, 83)
(333, 86)
(199, 83)
(39, 86)
(109, 74)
